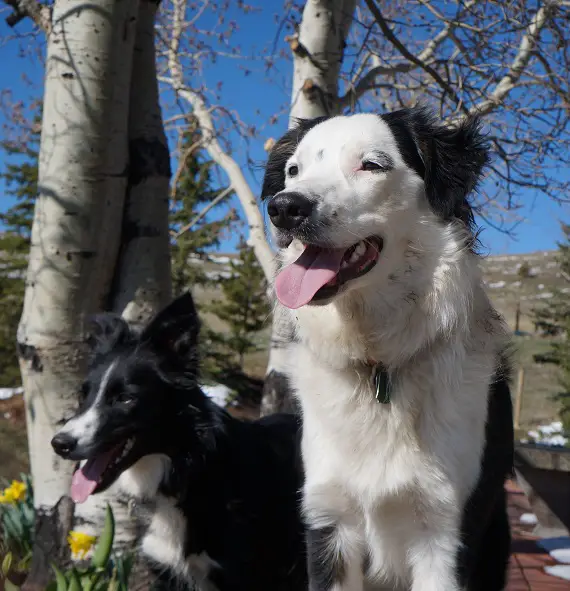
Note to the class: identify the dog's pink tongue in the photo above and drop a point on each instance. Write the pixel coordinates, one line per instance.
(85, 479)
(297, 284)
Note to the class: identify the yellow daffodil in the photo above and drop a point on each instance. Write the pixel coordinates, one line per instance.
(15, 492)
(80, 543)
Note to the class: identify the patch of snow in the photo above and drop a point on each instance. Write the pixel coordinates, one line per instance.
(219, 393)
(561, 554)
(497, 285)
(528, 519)
(6, 393)
(541, 286)
(221, 260)
(554, 427)
(219, 274)
(7, 415)
(543, 296)
(559, 570)
(516, 284)
(551, 434)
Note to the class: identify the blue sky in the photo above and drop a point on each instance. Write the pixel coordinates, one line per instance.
(256, 99)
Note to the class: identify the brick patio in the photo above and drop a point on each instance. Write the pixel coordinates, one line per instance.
(528, 559)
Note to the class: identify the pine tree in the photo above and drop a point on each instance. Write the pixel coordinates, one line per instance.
(21, 178)
(193, 192)
(554, 319)
(245, 307)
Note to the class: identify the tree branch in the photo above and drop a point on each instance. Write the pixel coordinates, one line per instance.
(227, 191)
(526, 47)
(390, 35)
(39, 13)
(211, 144)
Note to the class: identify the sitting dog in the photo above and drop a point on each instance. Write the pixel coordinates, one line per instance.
(221, 496)
(399, 360)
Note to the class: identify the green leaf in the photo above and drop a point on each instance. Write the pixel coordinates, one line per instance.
(74, 581)
(105, 544)
(9, 586)
(60, 580)
(89, 579)
(7, 564)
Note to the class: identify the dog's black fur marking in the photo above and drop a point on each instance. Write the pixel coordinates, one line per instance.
(326, 565)
(274, 179)
(237, 483)
(450, 159)
(482, 561)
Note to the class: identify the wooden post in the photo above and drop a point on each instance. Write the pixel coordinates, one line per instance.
(517, 317)
(518, 398)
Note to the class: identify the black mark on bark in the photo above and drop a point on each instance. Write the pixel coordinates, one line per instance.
(147, 158)
(29, 353)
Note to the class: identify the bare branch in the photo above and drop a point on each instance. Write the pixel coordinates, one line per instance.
(39, 13)
(390, 35)
(523, 57)
(218, 199)
(211, 143)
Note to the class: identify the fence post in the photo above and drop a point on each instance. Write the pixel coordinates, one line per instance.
(518, 398)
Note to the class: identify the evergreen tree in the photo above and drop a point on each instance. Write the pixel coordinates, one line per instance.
(193, 192)
(245, 307)
(21, 178)
(554, 319)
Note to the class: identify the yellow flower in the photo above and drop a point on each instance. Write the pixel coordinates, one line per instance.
(80, 543)
(15, 492)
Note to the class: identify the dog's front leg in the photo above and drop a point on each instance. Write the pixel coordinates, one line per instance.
(334, 559)
(434, 562)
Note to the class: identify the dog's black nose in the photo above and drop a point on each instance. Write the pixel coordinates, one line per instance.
(289, 210)
(63, 444)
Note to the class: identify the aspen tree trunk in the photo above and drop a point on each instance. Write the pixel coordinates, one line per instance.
(318, 48)
(75, 238)
(142, 279)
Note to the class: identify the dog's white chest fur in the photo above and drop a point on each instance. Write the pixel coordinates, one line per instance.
(164, 540)
(395, 476)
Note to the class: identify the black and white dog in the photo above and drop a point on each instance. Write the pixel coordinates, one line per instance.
(399, 361)
(222, 496)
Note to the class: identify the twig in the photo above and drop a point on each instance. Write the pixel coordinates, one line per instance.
(200, 215)
(390, 35)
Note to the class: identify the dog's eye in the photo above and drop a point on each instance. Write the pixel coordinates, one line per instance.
(371, 166)
(293, 170)
(125, 398)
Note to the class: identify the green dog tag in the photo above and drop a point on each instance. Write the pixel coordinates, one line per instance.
(382, 384)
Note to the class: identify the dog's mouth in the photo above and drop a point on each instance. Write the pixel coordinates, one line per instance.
(102, 469)
(319, 273)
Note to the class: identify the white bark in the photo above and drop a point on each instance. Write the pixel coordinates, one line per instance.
(318, 49)
(143, 282)
(317, 53)
(82, 184)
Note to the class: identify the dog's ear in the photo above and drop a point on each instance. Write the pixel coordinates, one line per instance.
(174, 330)
(284, 148)
(107, 331)
(450, 158)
